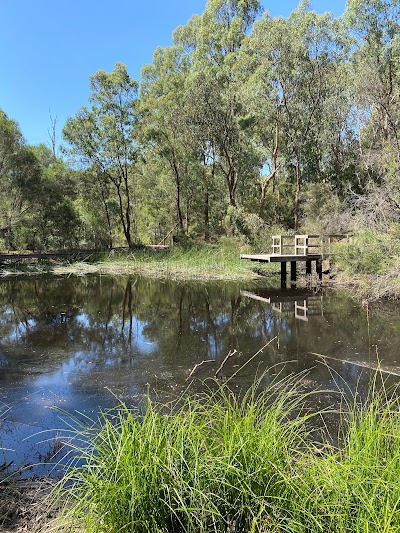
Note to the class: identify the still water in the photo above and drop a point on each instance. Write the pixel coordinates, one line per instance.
(80, 345)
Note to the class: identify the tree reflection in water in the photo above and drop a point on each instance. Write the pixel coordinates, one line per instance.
(82, 343)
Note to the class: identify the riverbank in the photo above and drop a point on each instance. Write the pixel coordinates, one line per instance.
(213, 262)
(369, 287)
(369, 265)
(367, 274)
(24, 506)
(91, 343)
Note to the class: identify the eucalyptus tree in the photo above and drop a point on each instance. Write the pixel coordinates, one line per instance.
(54, 221)
(205, 191)
(375, 28)
(20, 176)
(293, 65)
(215, 39)
(98, 208)
(164, 130)
(375, 25)
(104, 138)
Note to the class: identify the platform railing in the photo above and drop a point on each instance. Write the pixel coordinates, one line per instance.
(303, 244)
(279, 246)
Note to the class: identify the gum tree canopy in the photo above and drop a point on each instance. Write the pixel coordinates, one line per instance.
(104, 138)
(19, 178)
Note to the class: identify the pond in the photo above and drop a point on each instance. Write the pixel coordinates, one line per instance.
(78, 345)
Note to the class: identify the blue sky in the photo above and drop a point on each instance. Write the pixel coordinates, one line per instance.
(49, 49)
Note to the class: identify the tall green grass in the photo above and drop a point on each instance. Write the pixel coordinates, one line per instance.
(216, 463)
(355, 486)
(218, 261)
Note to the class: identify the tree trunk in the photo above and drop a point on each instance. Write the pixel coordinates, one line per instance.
(127, 211)
(206, 215)
(187, 217)
(122, 217)
(232, 184)
(271, 176)
(178, 195)
(232, 178)
(110, 241)
(297, 197)
(207, 195)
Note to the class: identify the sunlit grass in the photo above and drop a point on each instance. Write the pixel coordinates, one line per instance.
(354, 487)
(210, 463)
(214, 262)
(216, 463)
(206, 262)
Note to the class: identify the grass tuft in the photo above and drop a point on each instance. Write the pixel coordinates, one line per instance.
(218, 463)
(208, 261)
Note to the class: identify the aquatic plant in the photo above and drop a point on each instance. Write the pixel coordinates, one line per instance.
(354, 486)
(220, 261)
(210, 463)
(219, 463)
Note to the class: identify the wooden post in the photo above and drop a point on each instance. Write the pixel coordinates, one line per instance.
(301, 244)
(318, 266)
(308, 268)
(283, 273)
(293, 272)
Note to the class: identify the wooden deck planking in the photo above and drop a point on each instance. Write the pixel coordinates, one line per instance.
(275, 258)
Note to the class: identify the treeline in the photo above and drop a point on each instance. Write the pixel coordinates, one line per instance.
(246, 122)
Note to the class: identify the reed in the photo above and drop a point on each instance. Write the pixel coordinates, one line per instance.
(210, 463)
(220, 261)
(217, 463)
(354, 487)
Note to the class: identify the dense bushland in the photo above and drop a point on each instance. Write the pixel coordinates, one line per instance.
(244, 124)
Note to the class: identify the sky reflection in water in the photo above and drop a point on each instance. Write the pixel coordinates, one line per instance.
(83, 344)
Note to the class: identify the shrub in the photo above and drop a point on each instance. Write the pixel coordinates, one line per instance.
(369, 252)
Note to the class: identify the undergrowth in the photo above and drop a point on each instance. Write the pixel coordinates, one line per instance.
(370, 261)
(218, 261)
(217, 463)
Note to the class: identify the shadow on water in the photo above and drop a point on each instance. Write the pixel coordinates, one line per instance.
(82, 344)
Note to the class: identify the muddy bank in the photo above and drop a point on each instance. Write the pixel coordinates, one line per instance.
(368, 287)
(25, 506)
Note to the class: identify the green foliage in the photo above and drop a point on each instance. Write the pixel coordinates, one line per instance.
(103, 138)
(219, 463)
(19, 177)
(295, 93)
(369, 252)
(36, 200)
(356, 488)
(212, 261)
(205, 464)
(284, 120)
(320, 205)
(375, 25)
(248, 226)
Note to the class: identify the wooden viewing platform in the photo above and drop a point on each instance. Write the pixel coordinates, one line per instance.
(294, 248)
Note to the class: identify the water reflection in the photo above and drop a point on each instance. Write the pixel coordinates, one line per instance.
(300, 303)
(81, 344)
